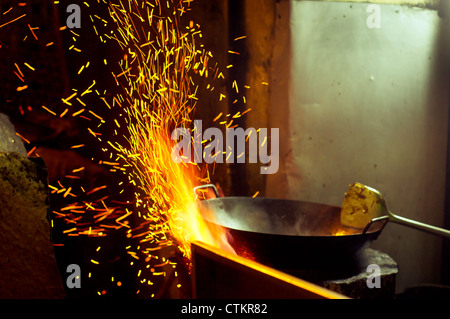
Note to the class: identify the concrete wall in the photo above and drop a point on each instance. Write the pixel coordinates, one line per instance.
(365, 104)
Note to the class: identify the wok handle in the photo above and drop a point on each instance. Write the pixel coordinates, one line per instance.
(420, 226)
(216, 192)
(382, 219)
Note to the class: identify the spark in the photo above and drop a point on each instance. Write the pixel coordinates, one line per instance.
(32, 31)
(217, 117)
(7, 11)
(96, 189)
(78, 112)
(64, 113)
(97, 116)
(20, 78)
(160, 60)
(18, 69)
(6, 23)
(29, 66)
(240, 38)
(31, 151)
(77, 146)
(23, 138)
(78, 169)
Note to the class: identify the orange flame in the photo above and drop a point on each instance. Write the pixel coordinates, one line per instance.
(171, 190)
(160, 96)
(186, 224)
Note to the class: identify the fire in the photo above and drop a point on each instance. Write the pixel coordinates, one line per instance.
(161, 96)
(189, 226)
(160, 62)
(345, 232)
(167, 194)
(341, 233)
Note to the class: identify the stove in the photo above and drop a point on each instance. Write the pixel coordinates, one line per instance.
(217, 274)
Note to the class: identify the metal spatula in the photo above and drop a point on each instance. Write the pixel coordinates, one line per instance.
(362, 204)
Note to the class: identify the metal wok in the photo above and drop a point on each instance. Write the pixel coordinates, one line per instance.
(288, 234)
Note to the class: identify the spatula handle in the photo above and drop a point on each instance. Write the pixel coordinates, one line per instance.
(420, 226)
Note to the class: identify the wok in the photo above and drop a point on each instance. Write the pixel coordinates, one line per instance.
(289, 234)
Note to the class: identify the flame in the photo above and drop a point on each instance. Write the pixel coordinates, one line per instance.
(161, 96)
(189, 226)
(168, 194)
(341, 233)
(345, 232)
